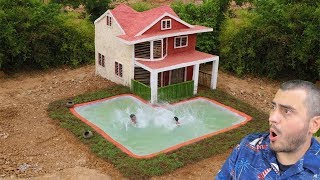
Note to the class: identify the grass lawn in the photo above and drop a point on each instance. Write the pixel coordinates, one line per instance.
(163, 163)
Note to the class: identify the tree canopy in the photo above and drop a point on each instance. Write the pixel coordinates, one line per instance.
(211, 14)
(95, 8)
(42, 36)
(275, 38)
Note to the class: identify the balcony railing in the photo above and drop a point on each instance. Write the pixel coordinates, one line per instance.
(166, 93)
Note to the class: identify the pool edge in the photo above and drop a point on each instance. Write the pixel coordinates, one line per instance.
(131, 154)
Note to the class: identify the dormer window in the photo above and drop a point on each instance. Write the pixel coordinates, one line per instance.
(109, 20)
(166, 24)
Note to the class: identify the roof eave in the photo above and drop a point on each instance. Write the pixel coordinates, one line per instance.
(164, 36)
(159, 18)
(102, 16)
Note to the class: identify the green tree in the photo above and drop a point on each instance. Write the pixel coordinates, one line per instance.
(41, 36)
(277, 38)
(95, 8)
(205, 14)
(141, 6)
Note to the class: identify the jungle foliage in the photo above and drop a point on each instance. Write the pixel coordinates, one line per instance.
(210, 14)
(38, 35)
(276, 38)
(94, 8)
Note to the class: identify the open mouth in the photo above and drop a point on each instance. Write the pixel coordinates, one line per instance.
(273, 135)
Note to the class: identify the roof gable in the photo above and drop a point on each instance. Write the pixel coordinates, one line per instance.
(159, 19)
(142, 26)
(136, 23)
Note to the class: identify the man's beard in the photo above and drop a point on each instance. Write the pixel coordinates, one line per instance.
(292, 143)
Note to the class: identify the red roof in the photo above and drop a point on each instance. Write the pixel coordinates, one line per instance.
(177, 58)
(132, 22)
(160, 33)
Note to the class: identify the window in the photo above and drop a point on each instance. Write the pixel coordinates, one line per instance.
(118, 69)
(143, 50)
(109, 21)
(101, 60)
(157, 49)
(181, 41)
(166, 24)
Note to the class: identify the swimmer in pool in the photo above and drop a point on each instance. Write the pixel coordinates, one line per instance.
(177, 120)
(133, 118)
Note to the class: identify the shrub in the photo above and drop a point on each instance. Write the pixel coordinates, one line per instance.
(94, 8)
(210, 14)
(41, 36)
(275, 39)
(141, 6)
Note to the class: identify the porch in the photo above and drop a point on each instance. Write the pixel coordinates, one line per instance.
(174, 91)
(174, 72)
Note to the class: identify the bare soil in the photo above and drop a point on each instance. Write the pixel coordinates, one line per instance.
(34, 146)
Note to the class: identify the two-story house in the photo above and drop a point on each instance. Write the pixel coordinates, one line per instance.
(154, 47)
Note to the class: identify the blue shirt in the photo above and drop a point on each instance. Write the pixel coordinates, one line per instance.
(253, 159)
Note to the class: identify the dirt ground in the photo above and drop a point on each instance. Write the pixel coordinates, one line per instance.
(33, 145)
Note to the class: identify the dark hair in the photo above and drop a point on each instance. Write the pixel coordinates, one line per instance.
(132, 115)
(176, 118)
(313, 95)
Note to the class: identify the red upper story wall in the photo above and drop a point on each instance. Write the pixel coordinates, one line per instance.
(157, 27)
(192, 40)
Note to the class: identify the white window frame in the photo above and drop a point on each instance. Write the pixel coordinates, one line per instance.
(179, 38)
(166, 25)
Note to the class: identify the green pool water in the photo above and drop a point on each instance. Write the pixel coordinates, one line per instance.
(156, 130)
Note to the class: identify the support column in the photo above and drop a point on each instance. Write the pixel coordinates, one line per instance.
(154, 87)
(151, 50)
(195, 78)
(214, 74)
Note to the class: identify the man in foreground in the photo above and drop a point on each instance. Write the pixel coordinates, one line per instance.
(289, 150)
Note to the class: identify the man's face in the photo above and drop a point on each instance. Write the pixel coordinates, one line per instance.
(134, 119)
(289, 124)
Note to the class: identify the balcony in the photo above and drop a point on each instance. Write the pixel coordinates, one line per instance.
(151, 50)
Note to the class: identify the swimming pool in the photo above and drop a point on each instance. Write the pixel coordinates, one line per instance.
(156, 131)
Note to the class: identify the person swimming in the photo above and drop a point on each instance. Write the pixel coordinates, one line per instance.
(177, 120)
(133, 118)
